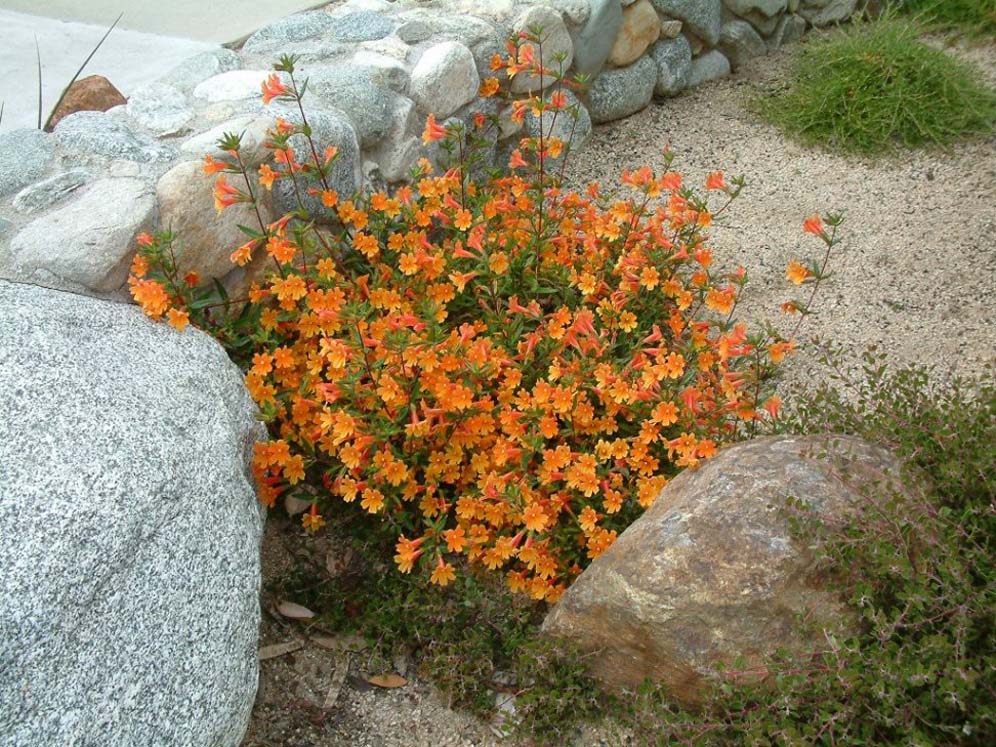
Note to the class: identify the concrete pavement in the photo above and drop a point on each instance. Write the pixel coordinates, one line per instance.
(218, 21)
(152, 37)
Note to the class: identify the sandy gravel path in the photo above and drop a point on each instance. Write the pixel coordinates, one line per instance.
(916, 274)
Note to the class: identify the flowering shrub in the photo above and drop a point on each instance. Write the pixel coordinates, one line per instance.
(505, 371)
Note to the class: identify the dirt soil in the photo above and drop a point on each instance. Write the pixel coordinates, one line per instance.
(915, 277)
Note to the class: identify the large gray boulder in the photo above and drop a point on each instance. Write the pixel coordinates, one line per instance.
(86, 244)
(710, 66)
(355, 91)
(701, 17)
(790, 29)
(285, 31)
(827, 12)
(712, 573)
(25, 155)
(360, 26)
(234, 85)
(48, 192)
(622, 91)
(160, 108)
(444, 79)
(84, 135)
(764, 7)
(593, 42)
(741, 43)
(673, 58)
(202, 66)
(129, 530)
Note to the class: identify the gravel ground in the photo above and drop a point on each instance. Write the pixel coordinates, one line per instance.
(915, 277)
(915, 273)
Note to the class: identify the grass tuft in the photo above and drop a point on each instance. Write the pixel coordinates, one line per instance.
(870, 88)
(975, 17)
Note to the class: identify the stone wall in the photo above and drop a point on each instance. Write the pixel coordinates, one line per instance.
(71, 201)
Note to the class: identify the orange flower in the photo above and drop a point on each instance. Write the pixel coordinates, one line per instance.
(498, 263)
(243, 254)
(772, 405)
(443, 573)
(281, 250)
(312, 520)
(408, 551)
(192, 278)
(225, 195)
(330, 198)
(433, 130)
(534, 518)
(720, 301)
(273, 88)
(779, 350)
(178, 319)
(373, 500)
(588, 519)
(797, 273)
(715, 180)
(212, 166)
(814, 225)
(489, 87)
(144, 239)
(267, 176)
(456, 539)
(150, 295)
(139, 266)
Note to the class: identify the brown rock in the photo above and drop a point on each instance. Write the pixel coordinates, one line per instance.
(711, 573)
(95, 93)
(640, 28)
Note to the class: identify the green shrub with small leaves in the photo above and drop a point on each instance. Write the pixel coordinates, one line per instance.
(918, 569)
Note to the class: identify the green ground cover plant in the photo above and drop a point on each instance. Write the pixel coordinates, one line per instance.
(974, 17)
(920, 573)
(870, 88)
(922, 671)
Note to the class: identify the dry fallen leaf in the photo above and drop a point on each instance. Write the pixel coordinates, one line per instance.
(279, 649)
(389, 681)
(294, 611)
(295, 506)
(338, 678)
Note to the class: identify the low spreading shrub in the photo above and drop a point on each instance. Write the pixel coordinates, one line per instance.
(919, 571)
(505, 372)
(919, 574)
(871, 87)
